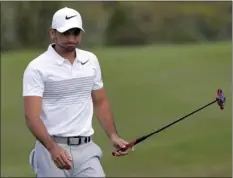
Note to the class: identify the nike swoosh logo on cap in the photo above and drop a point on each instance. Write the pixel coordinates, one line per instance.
(67, 18)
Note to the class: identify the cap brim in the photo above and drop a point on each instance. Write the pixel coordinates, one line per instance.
(65, 28)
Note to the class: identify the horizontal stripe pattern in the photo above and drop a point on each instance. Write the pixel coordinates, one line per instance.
(71, 91)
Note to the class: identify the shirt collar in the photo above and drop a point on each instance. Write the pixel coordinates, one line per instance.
(60, 59)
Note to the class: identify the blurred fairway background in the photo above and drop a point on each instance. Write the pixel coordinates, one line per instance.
(147, 87)
(170, 60)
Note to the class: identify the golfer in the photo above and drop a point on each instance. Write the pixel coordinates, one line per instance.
(62, 88)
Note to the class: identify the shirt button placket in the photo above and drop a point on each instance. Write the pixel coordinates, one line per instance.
(71, 71)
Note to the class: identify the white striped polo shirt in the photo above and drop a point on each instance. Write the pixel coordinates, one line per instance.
(67, 107)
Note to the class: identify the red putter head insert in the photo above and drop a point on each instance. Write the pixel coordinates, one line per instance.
(220, 98)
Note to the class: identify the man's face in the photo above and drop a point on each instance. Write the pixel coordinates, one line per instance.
(68, 40)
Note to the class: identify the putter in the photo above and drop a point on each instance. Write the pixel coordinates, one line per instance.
(220, 99)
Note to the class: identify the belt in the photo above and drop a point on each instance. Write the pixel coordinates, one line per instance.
(76, 140)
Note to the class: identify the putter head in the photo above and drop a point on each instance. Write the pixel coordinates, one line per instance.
(220, 98)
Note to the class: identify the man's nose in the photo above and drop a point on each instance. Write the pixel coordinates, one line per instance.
(72, 37)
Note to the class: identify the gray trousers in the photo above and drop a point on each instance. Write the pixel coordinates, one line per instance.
(85, 158)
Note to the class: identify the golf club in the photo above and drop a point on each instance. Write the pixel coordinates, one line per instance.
(220, 99)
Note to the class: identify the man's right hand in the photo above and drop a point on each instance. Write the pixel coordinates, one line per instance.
(32, 105)
(61, 157)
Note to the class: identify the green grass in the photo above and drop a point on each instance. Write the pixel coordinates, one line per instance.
(147, 88)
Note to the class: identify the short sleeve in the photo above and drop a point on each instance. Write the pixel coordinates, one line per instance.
(33, 84)
(98, 82)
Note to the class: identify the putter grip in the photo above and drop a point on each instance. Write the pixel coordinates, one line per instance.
(126, 147)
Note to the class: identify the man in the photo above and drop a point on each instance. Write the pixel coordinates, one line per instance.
(61, 88)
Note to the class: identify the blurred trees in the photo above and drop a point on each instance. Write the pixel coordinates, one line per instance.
(170, 22)
(26, 24)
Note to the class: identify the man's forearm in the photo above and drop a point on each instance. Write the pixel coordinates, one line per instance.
(105, 117)
(38, 129)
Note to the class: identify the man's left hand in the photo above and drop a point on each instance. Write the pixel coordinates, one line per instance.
(119, 143)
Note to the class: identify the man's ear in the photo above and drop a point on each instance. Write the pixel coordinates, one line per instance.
(52, 34)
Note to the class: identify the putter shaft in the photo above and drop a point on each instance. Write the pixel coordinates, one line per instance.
(140, 139)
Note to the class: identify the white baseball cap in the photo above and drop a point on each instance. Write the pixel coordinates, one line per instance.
(65, 19)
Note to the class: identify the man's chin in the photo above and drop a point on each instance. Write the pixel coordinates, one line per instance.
(70, 49)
